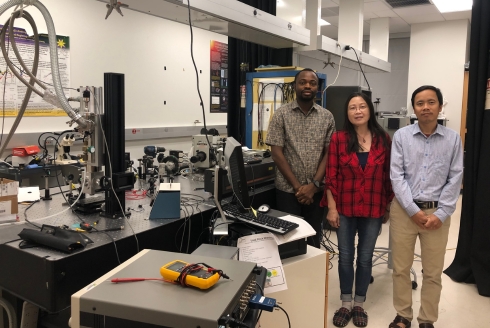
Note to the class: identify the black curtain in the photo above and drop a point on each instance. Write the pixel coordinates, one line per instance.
(472, 261)
(255, 55)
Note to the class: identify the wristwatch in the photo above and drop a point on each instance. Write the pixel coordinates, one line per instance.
(318, 184)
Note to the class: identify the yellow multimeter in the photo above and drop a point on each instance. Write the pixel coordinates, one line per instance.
(202, 279)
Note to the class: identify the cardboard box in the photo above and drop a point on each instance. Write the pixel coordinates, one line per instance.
(8, 200)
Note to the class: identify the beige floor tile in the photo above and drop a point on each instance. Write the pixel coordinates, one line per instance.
(460, 305)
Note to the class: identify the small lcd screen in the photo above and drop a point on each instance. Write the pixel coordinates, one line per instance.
(203, 274)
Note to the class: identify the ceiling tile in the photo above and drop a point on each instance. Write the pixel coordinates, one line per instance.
(458, 15)
(424, 19)
(329, 3)
(330, 11)
(400, 29)
(370, 15)
(386, 13)
(416, 10)
(397, 21)
(375, 6)
(400, 18)
(398, 25)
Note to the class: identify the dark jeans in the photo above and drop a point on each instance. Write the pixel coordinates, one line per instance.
(368, 231)
(313, 213)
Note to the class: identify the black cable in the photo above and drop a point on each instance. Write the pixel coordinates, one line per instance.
(183, 232)
(361, 68)
(45, 148)
(66, 200)
(199, 237)
(197, 78)
(11, 241)
(57, 179)
(113, 241)
(287, 316)
(329, 246)
(39, 140)
(187, 219)
(262, 293)
(25, 214)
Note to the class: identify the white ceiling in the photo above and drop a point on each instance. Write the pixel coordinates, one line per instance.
(400, 18)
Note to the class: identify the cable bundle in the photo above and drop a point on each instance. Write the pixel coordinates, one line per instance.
(195, 267)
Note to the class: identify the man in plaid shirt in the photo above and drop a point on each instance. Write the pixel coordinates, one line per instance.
(299, 134)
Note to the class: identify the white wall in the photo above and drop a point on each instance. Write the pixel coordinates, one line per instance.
(438, 52)
(391, 87)
(138, 46)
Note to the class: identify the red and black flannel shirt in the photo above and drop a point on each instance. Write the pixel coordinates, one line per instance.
(357, 192)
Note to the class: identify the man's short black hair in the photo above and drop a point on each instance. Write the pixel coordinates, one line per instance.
(427, 87)
(305, 70)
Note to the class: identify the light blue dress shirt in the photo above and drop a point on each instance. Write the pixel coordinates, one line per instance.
(427, 168)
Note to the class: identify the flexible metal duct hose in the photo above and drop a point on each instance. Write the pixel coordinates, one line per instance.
(54, 66)
(10, 24)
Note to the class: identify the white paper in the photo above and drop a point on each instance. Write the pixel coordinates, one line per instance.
(214, 100)
(304, 230)
(6, 207)
(262, 250)
(28, 194)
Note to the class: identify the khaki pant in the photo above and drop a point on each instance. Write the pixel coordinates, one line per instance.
(403, 234)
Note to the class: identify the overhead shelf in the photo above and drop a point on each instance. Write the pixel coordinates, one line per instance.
(327, 46)
(231, 18)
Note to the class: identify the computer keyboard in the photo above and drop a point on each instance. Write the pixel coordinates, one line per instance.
(264, 221)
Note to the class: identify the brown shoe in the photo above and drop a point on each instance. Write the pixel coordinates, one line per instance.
(398, 319)
(426, 325)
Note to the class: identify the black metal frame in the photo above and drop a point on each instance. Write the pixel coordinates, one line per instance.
(114, 123)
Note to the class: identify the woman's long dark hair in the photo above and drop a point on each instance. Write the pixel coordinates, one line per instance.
(373, 125)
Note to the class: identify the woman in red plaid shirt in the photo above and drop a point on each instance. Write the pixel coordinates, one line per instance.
(358, 193)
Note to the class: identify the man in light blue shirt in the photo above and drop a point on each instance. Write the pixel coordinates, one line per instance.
(426, 174)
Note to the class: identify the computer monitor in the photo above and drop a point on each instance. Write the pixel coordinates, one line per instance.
(236, 173)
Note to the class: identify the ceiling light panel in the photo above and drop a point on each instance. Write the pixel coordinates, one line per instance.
(449, 6)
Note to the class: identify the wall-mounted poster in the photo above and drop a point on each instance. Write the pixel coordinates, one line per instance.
(13, 90)
(219, 77)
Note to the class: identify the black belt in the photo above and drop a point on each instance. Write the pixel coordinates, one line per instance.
(426, 205)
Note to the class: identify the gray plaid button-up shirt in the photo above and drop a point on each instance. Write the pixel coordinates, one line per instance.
(303, 138)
